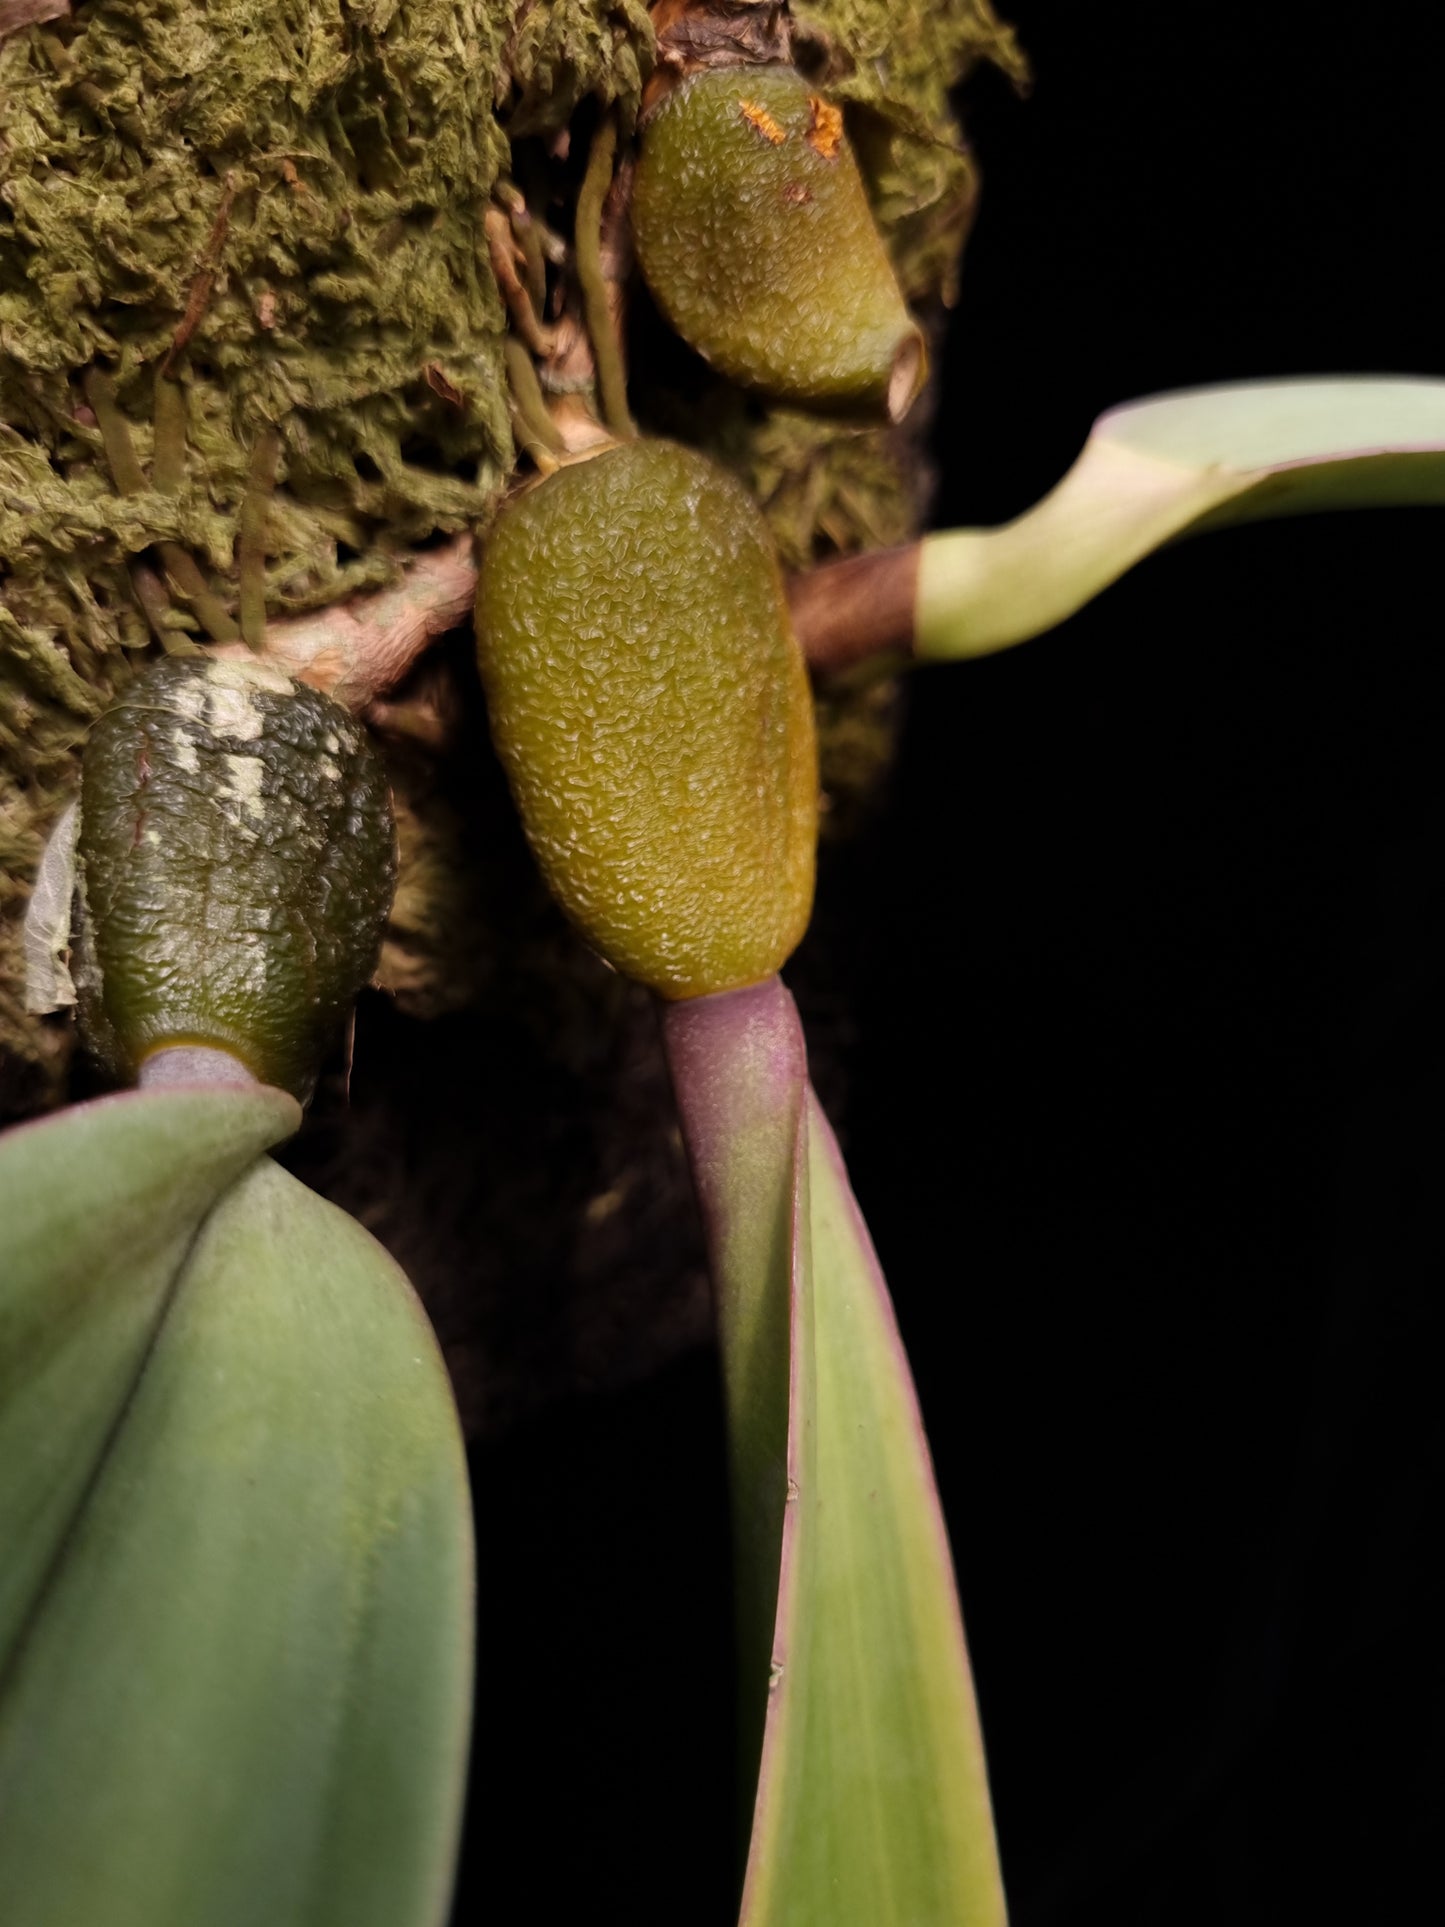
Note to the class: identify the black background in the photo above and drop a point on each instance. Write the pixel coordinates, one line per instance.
(1144, 1107)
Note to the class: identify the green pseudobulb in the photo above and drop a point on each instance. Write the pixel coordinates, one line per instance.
(653, 713)
(757, 242)
(235, 864)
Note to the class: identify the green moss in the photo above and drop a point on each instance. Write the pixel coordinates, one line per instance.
(563, 51)
(306, 180)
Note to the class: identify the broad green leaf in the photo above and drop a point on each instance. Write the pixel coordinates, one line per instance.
(1158, 469)
(872, 1805)
(242, 1689)
(98, 1207)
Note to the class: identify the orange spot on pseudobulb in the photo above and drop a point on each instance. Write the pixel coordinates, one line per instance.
(762, 122)
(825, 127)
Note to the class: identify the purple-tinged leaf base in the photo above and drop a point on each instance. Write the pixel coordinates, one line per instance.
(740, 1072)
(871, 1795)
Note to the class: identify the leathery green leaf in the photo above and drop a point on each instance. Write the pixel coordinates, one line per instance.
(1169, 466)
(241, 1691)
(871, 1802)
(98, 1208)
(873, 1798)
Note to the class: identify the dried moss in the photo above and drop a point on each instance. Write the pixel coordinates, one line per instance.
(568, 51)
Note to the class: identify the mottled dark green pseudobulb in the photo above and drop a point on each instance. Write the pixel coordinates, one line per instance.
(756, 238)
(235, 865)
(653, 713)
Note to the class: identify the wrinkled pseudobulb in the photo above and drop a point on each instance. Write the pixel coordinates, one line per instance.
(756, 239)
(653, 714)
(235, 865)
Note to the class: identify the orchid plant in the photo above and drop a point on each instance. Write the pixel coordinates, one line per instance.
(235, 1608)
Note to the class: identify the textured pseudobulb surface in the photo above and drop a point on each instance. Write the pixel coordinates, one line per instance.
(236, 861)
(652, 710)
(757, 241)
